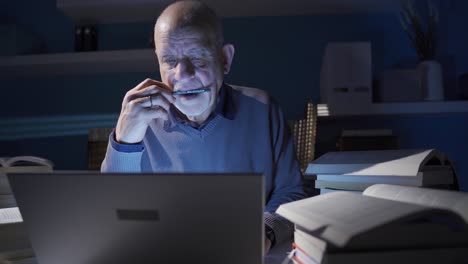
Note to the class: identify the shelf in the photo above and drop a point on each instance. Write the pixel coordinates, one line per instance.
(139, 60)
(124, 11)
(323, 110)
(57, 126)
(21, 128)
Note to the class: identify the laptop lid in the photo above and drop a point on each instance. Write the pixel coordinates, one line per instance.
(91, 218)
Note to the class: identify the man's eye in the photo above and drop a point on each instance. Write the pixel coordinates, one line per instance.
(198, 62)
(170, 61)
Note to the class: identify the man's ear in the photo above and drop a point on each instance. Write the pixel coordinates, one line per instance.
(228, 55)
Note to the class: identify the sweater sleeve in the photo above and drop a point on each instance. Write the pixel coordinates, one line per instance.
(122, 157)
(287, 179)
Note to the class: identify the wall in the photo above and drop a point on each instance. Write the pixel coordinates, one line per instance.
(281, 55)
(458, 39)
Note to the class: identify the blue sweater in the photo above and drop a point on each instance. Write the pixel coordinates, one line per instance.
(246, 133)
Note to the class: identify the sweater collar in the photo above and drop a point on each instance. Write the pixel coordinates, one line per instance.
(225, 108)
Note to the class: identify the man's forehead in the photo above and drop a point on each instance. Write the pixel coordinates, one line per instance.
(202, 33)
(193, 40)
(168, 50)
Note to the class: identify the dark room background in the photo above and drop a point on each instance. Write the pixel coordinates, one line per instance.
(279, 54)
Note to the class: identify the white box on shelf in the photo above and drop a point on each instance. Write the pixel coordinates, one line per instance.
(346, 77)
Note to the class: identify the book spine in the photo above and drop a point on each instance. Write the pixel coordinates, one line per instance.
(310, 144)
(300, 143)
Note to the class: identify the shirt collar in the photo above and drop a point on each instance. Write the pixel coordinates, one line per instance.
(224, 108)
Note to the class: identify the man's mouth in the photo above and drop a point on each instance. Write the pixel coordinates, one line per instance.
(191, 92)
(189, 96)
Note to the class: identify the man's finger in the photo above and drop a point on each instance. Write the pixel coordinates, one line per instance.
(153, 90)
(148, 82)
(143, 84)
(152, 113)
(157, 100)
(152, 101)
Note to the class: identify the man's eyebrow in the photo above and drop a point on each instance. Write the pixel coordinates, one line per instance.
(167, 55)
(199, 52)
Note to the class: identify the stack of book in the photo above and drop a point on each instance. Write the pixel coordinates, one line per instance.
(367, 139)
(356, 170)
(385, 224)
(14, 242)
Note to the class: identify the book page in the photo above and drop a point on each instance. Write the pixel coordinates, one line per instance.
(378, 162)
(343, 215)
(451, 200)
(10, 215)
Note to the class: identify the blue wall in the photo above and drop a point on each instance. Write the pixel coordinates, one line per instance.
(281, 55)
(458, 38)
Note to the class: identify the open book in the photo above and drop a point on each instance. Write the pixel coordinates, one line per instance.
(357, 170)
(402, 162)
(20, 164)
(10, 164)
(384, 217)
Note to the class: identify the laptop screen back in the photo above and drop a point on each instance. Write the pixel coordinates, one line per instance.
(92, 218)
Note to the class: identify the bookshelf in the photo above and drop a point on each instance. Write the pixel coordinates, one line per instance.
(124, 11)
(323, 110)
(135, 60)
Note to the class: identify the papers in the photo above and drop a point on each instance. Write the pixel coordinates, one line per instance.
(10, 215)
(385, 216)
(449, 200)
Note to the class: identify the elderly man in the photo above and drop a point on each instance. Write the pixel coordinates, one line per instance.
(210, 127)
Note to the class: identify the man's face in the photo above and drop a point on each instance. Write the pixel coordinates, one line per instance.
(188, 59)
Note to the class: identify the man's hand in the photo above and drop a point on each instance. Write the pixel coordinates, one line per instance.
(267, 245)
(148, 100)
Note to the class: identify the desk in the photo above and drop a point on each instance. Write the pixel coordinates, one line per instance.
(275, 256)
(278, 253)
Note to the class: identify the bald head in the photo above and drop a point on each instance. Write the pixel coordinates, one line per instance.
(190, 15)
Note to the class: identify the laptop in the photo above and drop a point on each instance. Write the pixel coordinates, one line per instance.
(94, 218)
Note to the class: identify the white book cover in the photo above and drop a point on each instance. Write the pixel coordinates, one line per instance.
(426, 178)
(403, 162)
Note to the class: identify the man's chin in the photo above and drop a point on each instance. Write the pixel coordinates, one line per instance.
(191, 111)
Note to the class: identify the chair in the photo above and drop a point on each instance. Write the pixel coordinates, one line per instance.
(304, 133)
(98, 139)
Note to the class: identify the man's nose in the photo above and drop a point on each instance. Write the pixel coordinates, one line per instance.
(184, 69)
